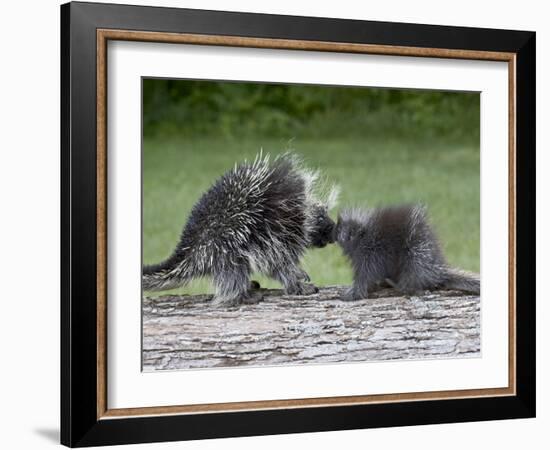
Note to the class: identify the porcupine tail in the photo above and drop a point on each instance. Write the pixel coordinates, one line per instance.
(169, 274)
(462, 280)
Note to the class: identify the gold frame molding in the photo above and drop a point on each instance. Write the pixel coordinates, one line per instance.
(103, 36)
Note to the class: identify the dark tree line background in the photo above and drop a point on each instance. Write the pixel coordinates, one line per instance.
(236, 109)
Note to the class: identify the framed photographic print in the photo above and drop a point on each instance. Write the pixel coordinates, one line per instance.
(277, 224)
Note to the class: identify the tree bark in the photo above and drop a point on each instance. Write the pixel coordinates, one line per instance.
(184, 332)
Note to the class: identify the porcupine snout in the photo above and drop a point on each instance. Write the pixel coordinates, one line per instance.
(322, 233)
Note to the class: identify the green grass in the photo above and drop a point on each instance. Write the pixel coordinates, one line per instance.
(444, 176)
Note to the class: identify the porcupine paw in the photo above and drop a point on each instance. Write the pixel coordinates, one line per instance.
(303, 289)
(351, 295)
(309, 289)
(254, 285)
(249, 298)
(252, 298)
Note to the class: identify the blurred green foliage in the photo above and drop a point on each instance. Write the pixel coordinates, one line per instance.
(236, 110)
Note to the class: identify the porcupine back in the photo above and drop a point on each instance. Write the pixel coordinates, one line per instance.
(257, 212)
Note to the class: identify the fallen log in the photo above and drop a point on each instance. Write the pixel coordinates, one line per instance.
(185, 332)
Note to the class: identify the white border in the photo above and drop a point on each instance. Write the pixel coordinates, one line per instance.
(128, 387)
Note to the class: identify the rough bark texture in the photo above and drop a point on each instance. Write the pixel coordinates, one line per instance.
(183, 332)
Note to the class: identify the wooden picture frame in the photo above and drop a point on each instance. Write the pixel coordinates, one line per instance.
(86, 418)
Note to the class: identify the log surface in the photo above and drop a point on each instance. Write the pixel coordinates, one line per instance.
(185, 332)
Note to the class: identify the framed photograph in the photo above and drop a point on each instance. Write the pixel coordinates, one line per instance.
(276, 224)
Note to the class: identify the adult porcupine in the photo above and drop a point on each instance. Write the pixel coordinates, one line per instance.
(396, 245)
(260, 216)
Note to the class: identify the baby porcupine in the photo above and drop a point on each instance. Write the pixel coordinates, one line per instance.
(261, 216)
(396, 245)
